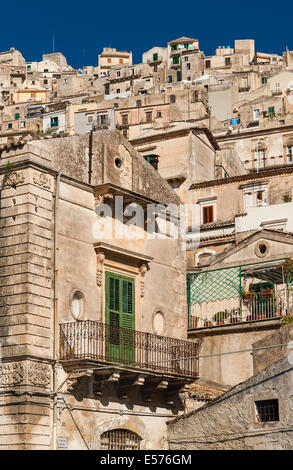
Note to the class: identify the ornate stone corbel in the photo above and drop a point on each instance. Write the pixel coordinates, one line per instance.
(100, 262)
(74, 378)
(14, 178)
(101, 198)
(42, 180)
(143, 268)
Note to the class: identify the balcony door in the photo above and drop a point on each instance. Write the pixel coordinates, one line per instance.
(120, 318)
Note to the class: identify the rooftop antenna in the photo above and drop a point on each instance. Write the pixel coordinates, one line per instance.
(53, 43)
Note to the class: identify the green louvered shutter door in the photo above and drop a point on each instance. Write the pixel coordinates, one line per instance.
(120, 318)
(112, 317)
(127, 320)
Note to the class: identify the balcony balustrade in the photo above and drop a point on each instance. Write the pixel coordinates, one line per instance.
(95, 341)
(251, 308)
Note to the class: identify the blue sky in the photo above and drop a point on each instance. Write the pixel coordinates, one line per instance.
(81, 29)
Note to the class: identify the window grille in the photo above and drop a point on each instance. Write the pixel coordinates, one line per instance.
(120, 439)
(267, 410)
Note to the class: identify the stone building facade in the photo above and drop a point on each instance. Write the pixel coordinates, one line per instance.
(254, 415)
(90, 349)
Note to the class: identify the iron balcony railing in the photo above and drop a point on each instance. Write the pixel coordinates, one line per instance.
(93, 340)
(251, 308)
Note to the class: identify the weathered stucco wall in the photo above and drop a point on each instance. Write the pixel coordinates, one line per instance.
(231, 423)
(231, 369)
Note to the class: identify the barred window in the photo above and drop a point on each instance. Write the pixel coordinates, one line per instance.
(120, 439)
(267, 410)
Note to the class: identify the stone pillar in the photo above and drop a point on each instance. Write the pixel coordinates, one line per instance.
(26, 313)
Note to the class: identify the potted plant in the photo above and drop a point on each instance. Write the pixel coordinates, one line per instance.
(234, 317)
(247, 296)
(261, 316)
(219, 318)
(267, 292)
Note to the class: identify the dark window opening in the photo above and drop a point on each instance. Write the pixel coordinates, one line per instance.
(125, 119)
(148, 116)
(152, 160)
(120, 439)
(118, 162)
(267, 410)
(208, 214)
(54, 121)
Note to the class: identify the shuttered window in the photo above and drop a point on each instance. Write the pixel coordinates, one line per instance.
(120, 317)
(208, 214)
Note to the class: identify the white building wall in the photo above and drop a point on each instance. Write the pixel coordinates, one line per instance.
(277, 216)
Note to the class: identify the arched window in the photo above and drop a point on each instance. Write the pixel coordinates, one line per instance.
(120, 439)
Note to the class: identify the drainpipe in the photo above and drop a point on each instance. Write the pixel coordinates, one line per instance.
(55, 321)
(90, 156)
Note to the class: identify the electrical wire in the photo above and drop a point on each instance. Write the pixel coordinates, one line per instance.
(220, 354)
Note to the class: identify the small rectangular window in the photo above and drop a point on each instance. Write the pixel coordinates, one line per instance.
(267, 410)
(208, 64)
(148, 116)
(54, 121)
(208, 214)
(227, 60)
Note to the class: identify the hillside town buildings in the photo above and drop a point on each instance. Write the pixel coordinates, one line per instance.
(147, 249)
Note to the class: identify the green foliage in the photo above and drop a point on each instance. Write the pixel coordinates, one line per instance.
(9, 168)
(220, 316)
(287, 197)
(287, 319)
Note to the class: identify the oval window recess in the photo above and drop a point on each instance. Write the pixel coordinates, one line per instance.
(118, 162)
(158, 322)
(77, 305)
(262, 249)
